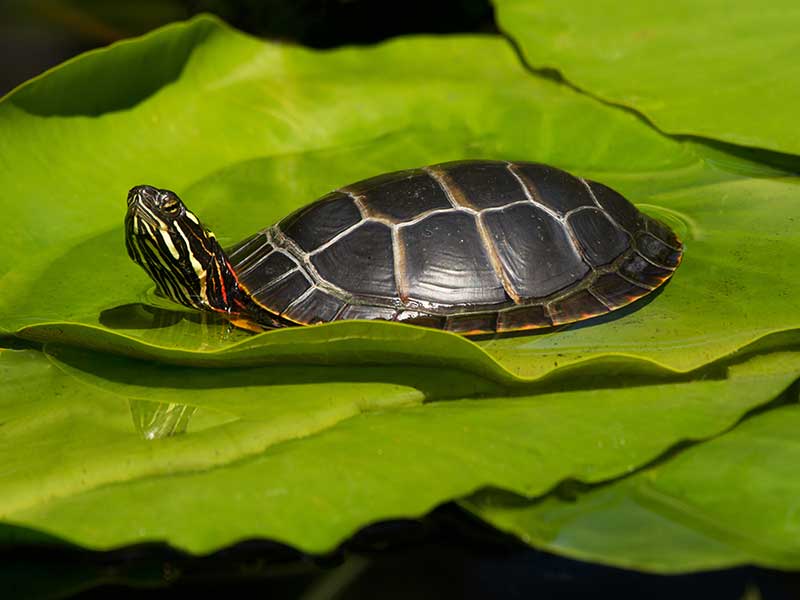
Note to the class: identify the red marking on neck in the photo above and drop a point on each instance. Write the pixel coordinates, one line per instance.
(231, 271)
(222, 287)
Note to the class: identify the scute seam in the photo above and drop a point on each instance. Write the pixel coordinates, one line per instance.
(651, 261)
(447, 186)
(532, 193)
(279, 239)
(399, 258)
(610, 217)
(300, 298)
(358, 200)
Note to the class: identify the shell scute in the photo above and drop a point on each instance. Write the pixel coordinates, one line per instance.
(482, 184)
(601, 241)
(556, 189)
(623, 212)
(318, 223)
(447, 263)
(639, 270)
(472, 324)
(356, 311)
(262, 270)
(281, 293)
(615, 291)
(402, 199)
(657, 251)
(535, 250)
(576, 307)
(413, 317)
(316, 307)
(524, 317)
(361, 261)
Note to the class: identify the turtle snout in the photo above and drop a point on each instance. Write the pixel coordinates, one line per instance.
(133, 198)
(142, 194)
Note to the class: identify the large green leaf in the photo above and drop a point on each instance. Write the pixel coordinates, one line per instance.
(247, 131)
(716, 68)
(308, 456)
(729, 501)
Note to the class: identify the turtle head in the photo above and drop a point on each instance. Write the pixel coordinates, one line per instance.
(179, 254)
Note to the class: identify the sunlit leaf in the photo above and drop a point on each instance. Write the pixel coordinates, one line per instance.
(715, 68)
(247, 131)
(309, 456)
(308, 434)
(729, 501)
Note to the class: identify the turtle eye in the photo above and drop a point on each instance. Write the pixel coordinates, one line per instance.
(171, 206)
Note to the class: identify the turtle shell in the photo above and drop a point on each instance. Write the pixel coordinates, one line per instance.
(471, 247)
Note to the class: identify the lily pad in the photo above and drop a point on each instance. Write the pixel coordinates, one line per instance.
(246, 131)
(729, 501)
(309, 456)
(719, 69)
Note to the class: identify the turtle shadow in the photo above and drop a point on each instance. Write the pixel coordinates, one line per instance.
(145, 316)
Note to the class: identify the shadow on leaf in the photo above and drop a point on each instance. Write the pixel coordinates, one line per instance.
(115, 79)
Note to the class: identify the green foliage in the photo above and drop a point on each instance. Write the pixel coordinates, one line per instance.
(729, 501)
(305, 435)
(309, 455)
(714, 68)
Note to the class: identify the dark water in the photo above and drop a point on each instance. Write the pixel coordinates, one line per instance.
(445, 555)
(35, 36)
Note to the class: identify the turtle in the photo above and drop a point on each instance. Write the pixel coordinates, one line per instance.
(472, 247)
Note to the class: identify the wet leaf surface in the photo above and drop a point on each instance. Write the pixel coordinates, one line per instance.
(308, 457)
(731, 500)
(722, 70)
